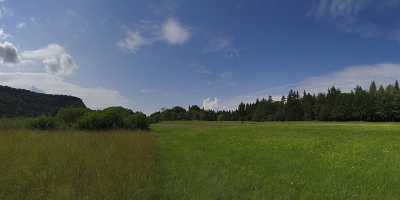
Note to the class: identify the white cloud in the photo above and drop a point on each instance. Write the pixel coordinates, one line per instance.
(96, 98)
(8, 53)
(54, 57)
(148, 33)
(21, 25)
(174, 32)
(134, 41)
(346, 80)
(211, 104)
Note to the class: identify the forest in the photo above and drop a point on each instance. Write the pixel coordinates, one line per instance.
(376, 104)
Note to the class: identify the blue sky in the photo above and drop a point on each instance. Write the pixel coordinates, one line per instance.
(149, 54)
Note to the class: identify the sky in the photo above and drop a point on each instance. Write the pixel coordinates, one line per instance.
(151, 54)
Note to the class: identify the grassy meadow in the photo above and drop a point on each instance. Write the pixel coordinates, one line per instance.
(205, 160)
(310, 160)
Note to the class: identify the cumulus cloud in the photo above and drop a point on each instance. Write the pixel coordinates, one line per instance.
(134, 41)
(95, 98)
(211, 104)
(346, 80)
(8, 53)
(174, 32)
(54, 57)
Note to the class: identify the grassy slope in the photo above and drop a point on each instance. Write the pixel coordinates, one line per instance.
(201, 160)
(79, 165)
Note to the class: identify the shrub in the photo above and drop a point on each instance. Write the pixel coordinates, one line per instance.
(43, 123)
(141, 121)
(71, 115)
(113, 118)
(100, 120)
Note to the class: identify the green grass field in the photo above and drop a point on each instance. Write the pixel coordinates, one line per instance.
(205, 160)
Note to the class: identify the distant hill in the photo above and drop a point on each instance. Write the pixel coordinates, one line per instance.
(19, 102)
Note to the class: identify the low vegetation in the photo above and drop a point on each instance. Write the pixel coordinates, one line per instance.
(279, 160)
(77, 165)
(85, 119)
(204, 160)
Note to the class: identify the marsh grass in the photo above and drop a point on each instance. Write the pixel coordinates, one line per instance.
(76, 165)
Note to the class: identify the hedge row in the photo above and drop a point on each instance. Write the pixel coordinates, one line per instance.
(84, 119)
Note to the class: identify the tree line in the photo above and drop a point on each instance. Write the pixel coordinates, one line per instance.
(376, 104)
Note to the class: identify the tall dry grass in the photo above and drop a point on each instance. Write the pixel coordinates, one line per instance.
(76, 165)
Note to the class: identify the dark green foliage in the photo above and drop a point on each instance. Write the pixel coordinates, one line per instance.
(381, 104)
(71, 115)
(24, 103)
(43, 123)
(113, 118)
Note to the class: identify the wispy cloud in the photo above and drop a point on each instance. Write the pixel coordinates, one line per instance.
(134, 41)
(21, 25)
(223, 45)
(202, 69)
(147, 33)
(353, 16)
(4, 11)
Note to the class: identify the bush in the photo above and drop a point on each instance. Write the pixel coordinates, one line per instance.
(71, 115)
(43, 123)
(141, 121)
(113, 118)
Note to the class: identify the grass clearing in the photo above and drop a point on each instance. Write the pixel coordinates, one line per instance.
(305, 160)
